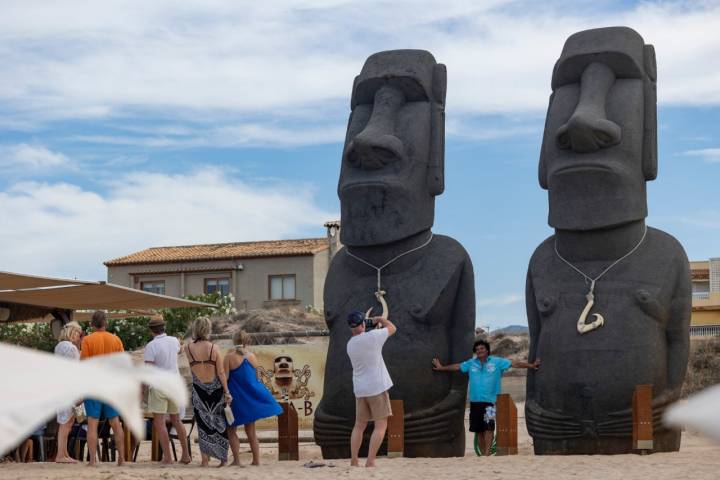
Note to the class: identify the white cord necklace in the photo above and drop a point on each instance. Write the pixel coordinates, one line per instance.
(583, 327)
(380, 293)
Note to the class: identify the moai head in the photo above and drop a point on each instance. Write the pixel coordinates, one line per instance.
(393, 160)
(600, 142)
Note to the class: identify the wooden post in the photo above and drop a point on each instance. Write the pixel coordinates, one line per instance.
(643, 418)
(506, 420)
(288, 448)
(396, 430)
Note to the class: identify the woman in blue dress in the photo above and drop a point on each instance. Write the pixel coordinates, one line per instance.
(251, 400)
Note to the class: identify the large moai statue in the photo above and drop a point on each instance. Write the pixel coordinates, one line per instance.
(608, 298)
(392, 169)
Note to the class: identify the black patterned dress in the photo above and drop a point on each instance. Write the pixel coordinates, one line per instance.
(208, 401)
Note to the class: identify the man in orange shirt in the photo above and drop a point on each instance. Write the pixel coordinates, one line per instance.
(101, 342)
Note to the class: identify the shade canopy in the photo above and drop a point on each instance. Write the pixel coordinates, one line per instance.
(17, 281)
(54, 293)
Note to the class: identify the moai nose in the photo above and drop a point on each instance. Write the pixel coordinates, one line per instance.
(588, 129)
(374, 152)
(377, 146)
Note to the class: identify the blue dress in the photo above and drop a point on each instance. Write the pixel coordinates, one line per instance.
(251, 400)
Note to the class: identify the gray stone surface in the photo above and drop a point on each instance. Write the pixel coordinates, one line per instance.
(392, 169)
(598, 151)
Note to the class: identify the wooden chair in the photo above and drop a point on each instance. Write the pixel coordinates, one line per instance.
(173, 436)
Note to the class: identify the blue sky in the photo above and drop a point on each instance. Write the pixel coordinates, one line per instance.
(127, 124)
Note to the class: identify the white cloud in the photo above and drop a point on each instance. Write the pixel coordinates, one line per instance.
(63, 229)
(230, 135)
(286, 60)
(30, 157)
(499, 301)
(711, 155)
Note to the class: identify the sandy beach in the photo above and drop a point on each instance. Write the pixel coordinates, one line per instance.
(699, 458)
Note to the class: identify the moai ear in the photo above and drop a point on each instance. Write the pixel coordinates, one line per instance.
(542, 169)
(436, 165)
(650, 158)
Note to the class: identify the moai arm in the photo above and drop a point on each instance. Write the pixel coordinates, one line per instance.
(533, 319)
(677, 331)
(462, 327)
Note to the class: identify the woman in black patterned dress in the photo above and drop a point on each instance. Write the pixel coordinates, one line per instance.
(210, 393)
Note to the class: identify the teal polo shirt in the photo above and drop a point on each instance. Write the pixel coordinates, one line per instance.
(485, 377)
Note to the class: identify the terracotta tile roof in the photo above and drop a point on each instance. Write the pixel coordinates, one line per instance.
(223, 251)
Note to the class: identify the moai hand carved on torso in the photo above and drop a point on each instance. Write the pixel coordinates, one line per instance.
(392, 169)
(598, 151)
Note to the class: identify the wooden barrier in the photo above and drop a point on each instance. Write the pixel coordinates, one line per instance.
(288, 448)
(643, 418)
(396, 430)
(506, 420)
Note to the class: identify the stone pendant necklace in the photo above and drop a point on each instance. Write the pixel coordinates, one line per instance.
(583, 327)
(380, 293)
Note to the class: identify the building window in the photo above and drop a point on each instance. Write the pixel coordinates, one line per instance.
(154, 286)
(281, 287)
(219, 285)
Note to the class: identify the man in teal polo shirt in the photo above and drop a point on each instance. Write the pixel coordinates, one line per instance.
(485, 372)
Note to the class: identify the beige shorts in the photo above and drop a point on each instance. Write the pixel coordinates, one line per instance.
(159, 403)
(372, 408)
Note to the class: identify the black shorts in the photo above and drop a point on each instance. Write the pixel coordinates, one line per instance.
(478, 422)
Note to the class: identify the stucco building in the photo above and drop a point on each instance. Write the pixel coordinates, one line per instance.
(706, 297)
(258, 274)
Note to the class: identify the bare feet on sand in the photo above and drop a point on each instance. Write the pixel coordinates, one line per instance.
(237, 463)
(65, 460)
(186, 460)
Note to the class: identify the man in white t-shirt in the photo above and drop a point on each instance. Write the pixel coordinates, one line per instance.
(371, 382)
(163, 351)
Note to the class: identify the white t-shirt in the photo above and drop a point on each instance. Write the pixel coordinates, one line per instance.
(163, 352)
(67, 349)
(370, 375)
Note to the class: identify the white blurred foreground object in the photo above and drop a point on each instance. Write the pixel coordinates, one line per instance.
(36, 384)
(699, 412)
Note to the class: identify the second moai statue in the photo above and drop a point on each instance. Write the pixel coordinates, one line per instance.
(608, 298)
(392, 169)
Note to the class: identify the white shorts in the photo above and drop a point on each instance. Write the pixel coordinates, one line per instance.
(64, 415)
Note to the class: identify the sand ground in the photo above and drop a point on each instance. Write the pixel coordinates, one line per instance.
(699, 459)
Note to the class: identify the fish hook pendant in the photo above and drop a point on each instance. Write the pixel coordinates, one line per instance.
(380, 295)
(599, 321)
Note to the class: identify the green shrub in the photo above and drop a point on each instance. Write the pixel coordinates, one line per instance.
(30, 335)
(178, 320)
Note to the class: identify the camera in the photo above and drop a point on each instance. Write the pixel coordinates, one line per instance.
(369, 324)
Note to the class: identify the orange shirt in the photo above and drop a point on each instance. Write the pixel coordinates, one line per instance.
(100, 343)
